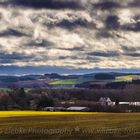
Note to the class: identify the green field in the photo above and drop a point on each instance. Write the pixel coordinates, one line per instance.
(70, 81)
(82, 80)
(75, 126)
(127, 77)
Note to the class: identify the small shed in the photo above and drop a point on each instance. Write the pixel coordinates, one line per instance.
(54, 109)
(48, 109)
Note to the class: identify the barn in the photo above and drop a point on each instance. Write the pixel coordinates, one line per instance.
(78, 109)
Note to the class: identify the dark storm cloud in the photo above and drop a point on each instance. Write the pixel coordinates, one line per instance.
(112, 22)
(4, 2)
(135, 27)
(103, 33)
(51, 4)
(73, 24)
(131, 51)
(62, 57)
(12, 32)
(137, 17)
(107, 5)
(80, 48)
(133, 54)
(72, 4)
(39, 43)
(93, 59)
(128, 49)
(68, 57)
(104, 54)
(6, 61)
(11, 58)
(135, 3)
(14, 56)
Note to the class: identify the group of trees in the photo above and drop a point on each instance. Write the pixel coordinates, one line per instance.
(104, 76)
(19, 99)
(115, 85)
(36, 99)
(127, 94)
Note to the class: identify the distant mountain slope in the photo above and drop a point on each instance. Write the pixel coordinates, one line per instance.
(46, 80)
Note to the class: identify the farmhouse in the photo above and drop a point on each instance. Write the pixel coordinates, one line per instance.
(134, 103)
(105, 101)
(77, 108)
(130, 103)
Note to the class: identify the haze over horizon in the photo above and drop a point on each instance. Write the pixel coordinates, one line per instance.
(15, 70)
(69, 36)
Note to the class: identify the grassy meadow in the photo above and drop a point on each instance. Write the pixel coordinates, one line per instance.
(68, 125)
(71, 81)
(127, 78)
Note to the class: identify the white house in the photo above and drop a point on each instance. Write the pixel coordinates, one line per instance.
(105, 101)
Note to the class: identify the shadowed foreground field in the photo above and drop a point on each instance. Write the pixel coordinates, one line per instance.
(61, 126)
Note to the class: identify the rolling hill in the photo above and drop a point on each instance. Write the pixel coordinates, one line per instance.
(48, 80)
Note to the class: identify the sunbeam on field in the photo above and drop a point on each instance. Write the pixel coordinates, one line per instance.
(37, 113)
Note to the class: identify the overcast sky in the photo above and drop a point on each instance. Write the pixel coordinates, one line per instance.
(81, 34)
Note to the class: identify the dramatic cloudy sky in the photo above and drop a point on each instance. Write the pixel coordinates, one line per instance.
(81, 34)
